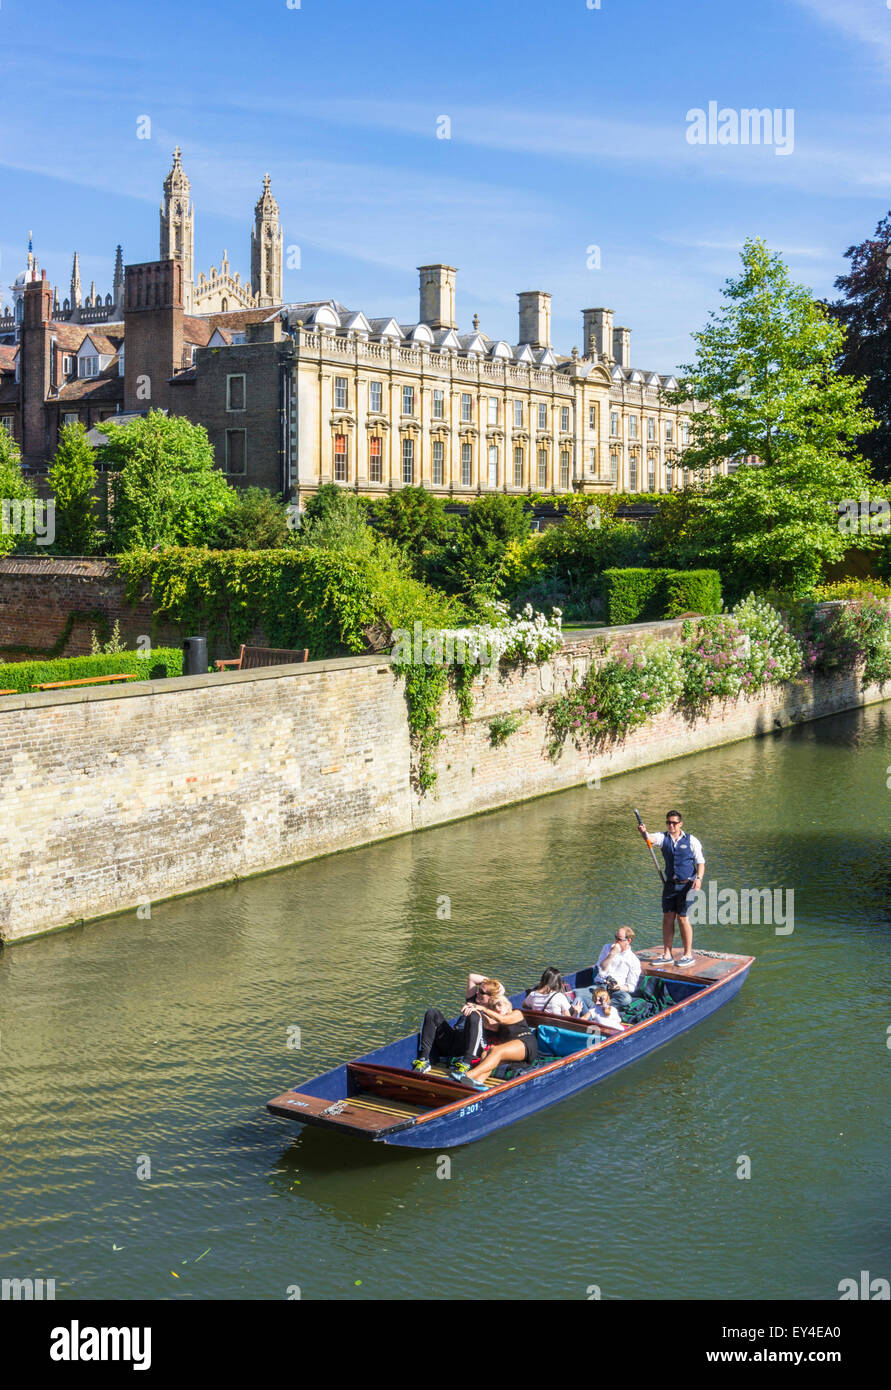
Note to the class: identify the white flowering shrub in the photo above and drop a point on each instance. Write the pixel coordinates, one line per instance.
(531, 637)
(774, 654)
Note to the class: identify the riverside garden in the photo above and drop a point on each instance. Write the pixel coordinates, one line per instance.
(778, 570)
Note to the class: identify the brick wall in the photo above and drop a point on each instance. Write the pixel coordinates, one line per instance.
(37, 594)
(110, 798)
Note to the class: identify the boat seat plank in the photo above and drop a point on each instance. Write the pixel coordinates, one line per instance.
(362, 1118)
(400, 1083)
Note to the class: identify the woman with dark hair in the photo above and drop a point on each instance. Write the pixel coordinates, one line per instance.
(549, 995)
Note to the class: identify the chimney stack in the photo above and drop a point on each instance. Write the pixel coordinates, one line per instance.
(153, 324)
(437, 286)
(535, 318)
(622, 346)
(597, 327)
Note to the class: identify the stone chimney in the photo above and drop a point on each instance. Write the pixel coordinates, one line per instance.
(437, 287)
(535, 318)
(622, 346)
(597, 328)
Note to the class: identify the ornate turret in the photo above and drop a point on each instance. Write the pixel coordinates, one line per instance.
(266, 249)
(117, 288)
(177, 223)
(76, 295)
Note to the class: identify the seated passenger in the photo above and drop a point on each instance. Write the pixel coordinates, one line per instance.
(463, 1040)
(618, 970)
(549, 995)
(604, 1011)
(515, 1042)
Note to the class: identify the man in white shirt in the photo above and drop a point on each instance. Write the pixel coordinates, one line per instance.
(684, 868)
(619, 961)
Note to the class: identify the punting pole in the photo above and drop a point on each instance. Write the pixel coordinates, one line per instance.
(650, 848)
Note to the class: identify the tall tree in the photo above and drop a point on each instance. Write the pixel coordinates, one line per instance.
(418, 523)
(165, 488)
(765, 382)
(72, 479)
(865, 313)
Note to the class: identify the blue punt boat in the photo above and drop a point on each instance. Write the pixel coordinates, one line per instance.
(379, 1097)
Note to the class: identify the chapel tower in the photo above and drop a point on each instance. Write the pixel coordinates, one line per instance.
(178, 224)
(266, 249)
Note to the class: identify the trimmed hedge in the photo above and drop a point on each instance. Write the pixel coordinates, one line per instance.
(692, 591)
(643, 595)
(21, 675)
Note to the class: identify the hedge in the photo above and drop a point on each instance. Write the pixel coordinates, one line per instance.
(21, 675)
(692, 591)
(642, 595)
(330, 601)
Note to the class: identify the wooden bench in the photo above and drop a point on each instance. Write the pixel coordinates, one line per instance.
(252, 658)
(88, 680)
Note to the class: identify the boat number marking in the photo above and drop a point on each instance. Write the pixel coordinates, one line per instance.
(469, 1109)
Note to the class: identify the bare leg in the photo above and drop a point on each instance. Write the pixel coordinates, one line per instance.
(667, 932)
(686, 935)
(513, 1051)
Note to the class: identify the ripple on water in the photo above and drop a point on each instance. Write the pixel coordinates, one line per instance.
(162, 1040)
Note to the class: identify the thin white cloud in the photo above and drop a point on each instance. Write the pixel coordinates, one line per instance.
(866, 22)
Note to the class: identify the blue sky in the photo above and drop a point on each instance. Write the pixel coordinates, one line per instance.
(568, 130)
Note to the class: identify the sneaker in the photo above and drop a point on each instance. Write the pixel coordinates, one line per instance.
(475, 1085)
(686, 960)
(420, 1064)
(458, 1071)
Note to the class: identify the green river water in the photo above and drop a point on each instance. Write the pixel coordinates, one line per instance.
(130, 1043)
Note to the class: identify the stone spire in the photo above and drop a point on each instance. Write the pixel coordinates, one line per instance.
(266, 249)
(178, 225)
(77, 298)
(117, 288)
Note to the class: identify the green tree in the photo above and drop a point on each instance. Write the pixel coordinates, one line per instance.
(13, 489)
(473, 561)
(72, 479)
(164, 486)
(865, 312)
(335, 519)
(417, 522)
(257, 520)
(765, 383)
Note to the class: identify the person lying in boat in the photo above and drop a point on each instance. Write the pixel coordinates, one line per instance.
(515, 1041)
(463, 1040)
(604, 1011)
(549, 995)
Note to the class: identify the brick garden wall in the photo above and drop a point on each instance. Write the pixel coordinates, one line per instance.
(113, 797)
(37, 595)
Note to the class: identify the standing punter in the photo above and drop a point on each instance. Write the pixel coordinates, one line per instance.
(684, 868)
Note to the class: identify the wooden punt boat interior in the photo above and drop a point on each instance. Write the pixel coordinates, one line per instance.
(377, 1094)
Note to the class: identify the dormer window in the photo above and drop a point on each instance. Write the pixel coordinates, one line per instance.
(68, 365)
(89, 366)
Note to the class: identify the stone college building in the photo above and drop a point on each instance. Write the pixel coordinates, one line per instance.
(294, 395)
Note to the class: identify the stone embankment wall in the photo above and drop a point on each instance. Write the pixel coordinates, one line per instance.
(111, 798)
